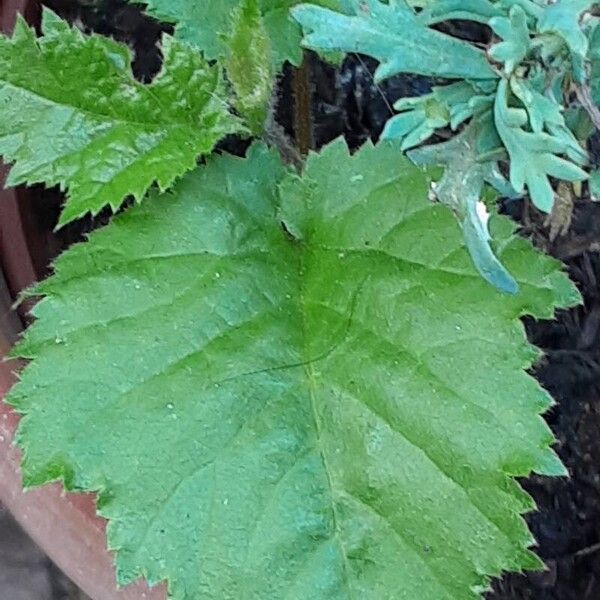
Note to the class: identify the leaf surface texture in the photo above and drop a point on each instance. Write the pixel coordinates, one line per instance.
(73, 115)
(332, 412)
(393, 34)
(206, 24)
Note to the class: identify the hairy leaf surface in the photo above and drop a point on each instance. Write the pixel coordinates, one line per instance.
(249, 64)
(332, 411)
(206, 24)
(73, 115)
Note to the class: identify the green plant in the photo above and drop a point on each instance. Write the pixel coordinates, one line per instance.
(282, 383)
(514, 93)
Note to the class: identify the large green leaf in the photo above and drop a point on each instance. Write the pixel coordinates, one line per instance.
(207, 23)
(394, 35)
(73, 115)
(334, 410)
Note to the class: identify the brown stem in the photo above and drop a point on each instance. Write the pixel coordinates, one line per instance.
(274, 135)
(303, 125)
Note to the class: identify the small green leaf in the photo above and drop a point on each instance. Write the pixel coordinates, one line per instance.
(562, 18)
(534, 157)
(249, 64)
(335, 416)
(73, 115)
(447, 105)
(417, 121)
(395, 36)
(515, 33)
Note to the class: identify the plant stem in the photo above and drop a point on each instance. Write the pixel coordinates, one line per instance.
(275, 135)
(303, 125)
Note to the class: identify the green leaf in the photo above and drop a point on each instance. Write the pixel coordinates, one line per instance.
(461, 187)
(480, 11)
(546, 114)
(394, 35)
(249, 64)
(534, 157)
(562, 18)
(207, 23)
(595, 62)
(337, 415)
(595, 184)
(418, 119)
(515, 33)
(447, 105)
(532, 8)
(73, 115)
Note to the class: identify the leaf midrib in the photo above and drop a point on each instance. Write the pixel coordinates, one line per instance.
(102, 115)
(310, 378)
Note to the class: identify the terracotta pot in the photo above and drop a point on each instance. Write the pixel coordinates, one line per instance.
(64, 525)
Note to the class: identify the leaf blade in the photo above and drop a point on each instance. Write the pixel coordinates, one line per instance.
(206, 23)
(262, 406)
(74, 116)
(392, 34)
(534, 156)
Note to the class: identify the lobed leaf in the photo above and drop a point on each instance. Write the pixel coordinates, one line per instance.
(534, 156)
(420, 116)
(394, 35)
(515, 34)
(334, 412)
(73, 115)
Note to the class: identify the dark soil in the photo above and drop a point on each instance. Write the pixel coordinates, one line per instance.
(567, 523)
(347, 102)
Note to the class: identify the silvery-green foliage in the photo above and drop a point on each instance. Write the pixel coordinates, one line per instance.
(519, 86)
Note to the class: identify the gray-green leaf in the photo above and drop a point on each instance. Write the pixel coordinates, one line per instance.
(562, 18)
(515, 33)
(461, 187)
(395, 36)
(447, 105)
(534, 156)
